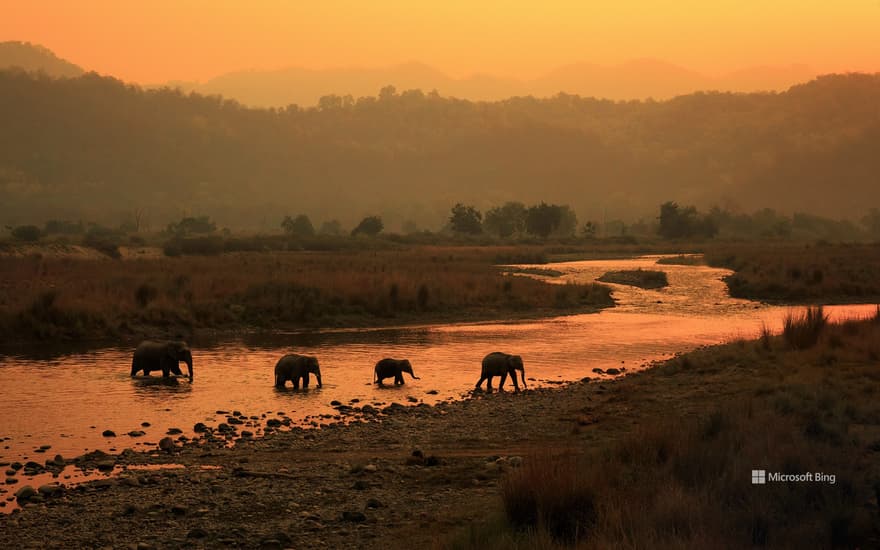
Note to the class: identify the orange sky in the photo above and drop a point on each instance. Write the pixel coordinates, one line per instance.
(159, 40)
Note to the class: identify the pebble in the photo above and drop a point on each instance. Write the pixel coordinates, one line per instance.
(25, 493)
(612, 371)
(145, 424)
(174, 431)
(370, 468)
(355, 516)
(137, 433)
(166, 444)
(108, 433)
(200, 427)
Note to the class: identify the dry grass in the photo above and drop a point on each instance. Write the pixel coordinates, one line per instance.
(803, 331)
(642, 278)
(798, 273)
(685, 481)
(48, 297)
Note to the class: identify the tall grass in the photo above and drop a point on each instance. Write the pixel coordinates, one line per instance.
(274, 289)
(803, 331)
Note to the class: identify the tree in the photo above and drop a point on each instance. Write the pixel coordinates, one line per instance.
(505, 221)
(301, 226)
(466, 219)
(370, 226)
(588, 231)
(27, 233)
(191, 225)
(543, 219)
(677, 222)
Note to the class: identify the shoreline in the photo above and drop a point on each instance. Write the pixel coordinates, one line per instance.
(402, 473)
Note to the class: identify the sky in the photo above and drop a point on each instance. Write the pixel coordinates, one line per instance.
(160, 40)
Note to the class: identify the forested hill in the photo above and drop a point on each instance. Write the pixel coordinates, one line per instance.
(93, 148)
(35, 58)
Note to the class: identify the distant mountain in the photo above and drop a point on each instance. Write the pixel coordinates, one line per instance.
(637, 79)
(36, 58)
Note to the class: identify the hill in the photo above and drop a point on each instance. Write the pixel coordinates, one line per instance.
(35, 58)
(95, 148)
(637, 79)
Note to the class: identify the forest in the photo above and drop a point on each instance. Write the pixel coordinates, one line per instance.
(94, 148)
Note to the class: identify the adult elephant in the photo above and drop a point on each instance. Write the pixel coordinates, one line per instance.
(386, 368)
(502, 364)
(295, 367)
(164, 356)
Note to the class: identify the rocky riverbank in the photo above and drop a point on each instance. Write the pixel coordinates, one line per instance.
(414, 476)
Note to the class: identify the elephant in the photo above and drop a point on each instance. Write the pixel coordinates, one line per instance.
(294, 367)
(386, 368)
(501, 364)
(165, 356)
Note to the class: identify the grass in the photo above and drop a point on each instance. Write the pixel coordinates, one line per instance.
(45, 297)
(683, 259)
(801, 273)
(642, 278)
(683, 480)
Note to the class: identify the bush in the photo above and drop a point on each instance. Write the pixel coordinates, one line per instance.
(27, 233)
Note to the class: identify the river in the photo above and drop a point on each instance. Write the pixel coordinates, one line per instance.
(66, 401)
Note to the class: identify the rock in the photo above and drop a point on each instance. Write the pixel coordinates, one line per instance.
(335, 403)
(369, 409)
(273, 423)
(25, 493)
(236, 413)
(418, 453)
(197, 533)
(11, 472)
(200, 427)
(515, 461)
(233, 420)
(59, 460)
(137, 433)
(167, 444)
(51, 490)
(612, 371)
(16, 466)
(355, 517)
(106, 465)
(179, 510)
(373, 503)
(11, 481)
(247, 434)
(432, 392)
(432, 461)
(597, 370)
(174, 431)
(221, 412)
(370, 468)
(108, 433)
(411, 399)
(145, 424)
(586, 379)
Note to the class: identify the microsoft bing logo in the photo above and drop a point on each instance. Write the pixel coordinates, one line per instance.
(759, 477)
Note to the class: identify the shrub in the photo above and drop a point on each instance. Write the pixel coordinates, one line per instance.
(27, 233)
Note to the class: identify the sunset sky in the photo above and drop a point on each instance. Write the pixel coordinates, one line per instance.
(160, 40)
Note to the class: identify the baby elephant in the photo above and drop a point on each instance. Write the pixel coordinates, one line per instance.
(502, 364)
(386, 368)
(294, 367)
(162, 356)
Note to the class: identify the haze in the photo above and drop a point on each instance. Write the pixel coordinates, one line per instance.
(156, 42)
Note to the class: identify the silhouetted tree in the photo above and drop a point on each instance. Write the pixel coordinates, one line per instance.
(466, 219)
(505, 221)
(27, 233)
(191, 225)
(301, 226)
(677, 222)
(371, 226)
(588, 231)
(544, 219)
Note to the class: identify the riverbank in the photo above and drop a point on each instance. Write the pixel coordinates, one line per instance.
(434, 476)
(60, 298)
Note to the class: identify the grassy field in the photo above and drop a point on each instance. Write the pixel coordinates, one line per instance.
(46, 297)
(801, 273)
(782, 403)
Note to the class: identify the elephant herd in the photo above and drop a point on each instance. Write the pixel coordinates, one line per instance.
(167, 356)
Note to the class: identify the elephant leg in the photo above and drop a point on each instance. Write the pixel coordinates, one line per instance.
(295, 381)
(279, 381)
(398, 379)
(381, 385)
(515, 383)
(480, 383)
(305, 381)
(489, 383)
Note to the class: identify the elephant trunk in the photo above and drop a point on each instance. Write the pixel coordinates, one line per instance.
(189, 368)
(523, 377)
(318, 378)
(414, 376)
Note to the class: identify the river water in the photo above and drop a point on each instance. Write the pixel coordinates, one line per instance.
(67, 401)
